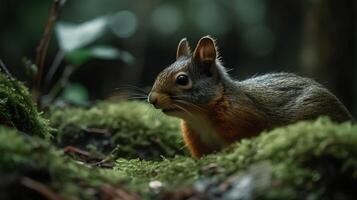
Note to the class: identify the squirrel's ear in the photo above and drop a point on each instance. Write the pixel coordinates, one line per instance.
(205, 51)
(183, 49)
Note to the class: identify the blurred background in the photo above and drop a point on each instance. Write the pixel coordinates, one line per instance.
(99, 45)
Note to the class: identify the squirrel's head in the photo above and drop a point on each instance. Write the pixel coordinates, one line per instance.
(192, 81)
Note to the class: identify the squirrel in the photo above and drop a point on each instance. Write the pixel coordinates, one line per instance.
(216, 110)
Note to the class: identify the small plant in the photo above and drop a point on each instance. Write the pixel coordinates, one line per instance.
(77, 45)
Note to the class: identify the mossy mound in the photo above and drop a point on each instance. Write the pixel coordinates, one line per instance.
(308, 160)
(124, 129)
(18, 110)
(30, 168)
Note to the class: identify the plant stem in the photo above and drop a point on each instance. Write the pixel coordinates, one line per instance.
(42, 48)
(54, 67)
(59, 85)
(4, 68)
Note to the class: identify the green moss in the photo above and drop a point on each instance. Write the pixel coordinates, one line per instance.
(34, 158)
(307, 160)
(127, 129)
(300, 159)
(18, 110)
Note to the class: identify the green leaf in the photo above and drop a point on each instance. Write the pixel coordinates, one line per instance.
(104, 52)
(79, 57)
(75, 36)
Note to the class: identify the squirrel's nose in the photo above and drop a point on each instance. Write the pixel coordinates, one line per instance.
(152, 98)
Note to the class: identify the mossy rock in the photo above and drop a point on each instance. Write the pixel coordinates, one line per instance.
(122, 129)
(31, 168)
(308, 160)
(18, 110)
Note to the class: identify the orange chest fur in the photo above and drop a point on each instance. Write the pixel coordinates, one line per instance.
(229, 123)
(236, 121)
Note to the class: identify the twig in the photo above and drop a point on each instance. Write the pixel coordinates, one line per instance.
(72, 149)
(4, 68)
(105, 163)
(42, 48)
(12, 79)
(111, 192)
(59, 85)
(41, 188)
(56, 63)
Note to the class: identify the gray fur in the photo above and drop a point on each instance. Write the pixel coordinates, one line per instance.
(286, 98)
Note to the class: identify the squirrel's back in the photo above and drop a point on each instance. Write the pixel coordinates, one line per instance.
(287, 98)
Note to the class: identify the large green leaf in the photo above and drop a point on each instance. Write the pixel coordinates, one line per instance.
(81, 56)
(72, 37)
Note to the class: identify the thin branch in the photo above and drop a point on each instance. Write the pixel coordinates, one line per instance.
(54, 67)
(4, 68)
(41, 188)
(42, 48)
(59, 85)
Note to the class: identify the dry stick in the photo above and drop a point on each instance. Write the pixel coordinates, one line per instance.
(53, 68)
(4, 68)
(112, 192)
(41, 188)
(68, 70)
(42, 48)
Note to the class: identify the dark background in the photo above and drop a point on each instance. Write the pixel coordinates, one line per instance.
(314, 38)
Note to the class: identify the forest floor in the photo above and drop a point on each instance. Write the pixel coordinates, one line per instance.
(127, 150)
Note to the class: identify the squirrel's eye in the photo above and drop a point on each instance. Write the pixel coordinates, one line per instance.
(182, 79)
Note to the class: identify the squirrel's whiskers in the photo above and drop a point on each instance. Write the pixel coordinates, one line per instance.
(131, 92)
(183, 109)
(190, 105)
